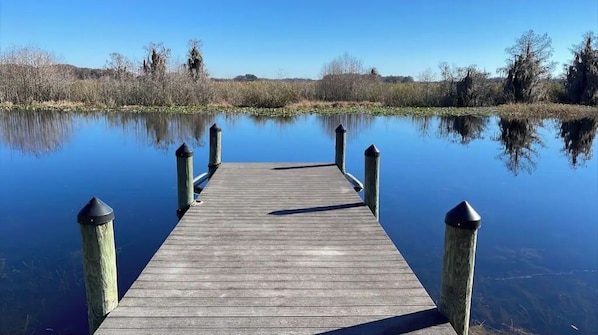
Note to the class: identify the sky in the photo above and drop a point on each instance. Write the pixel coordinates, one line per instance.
(284, 39)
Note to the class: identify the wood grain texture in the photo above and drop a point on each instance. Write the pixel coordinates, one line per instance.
(277, 248)
(215, 149)
(457, 277)
(184, 167)
(99, 268)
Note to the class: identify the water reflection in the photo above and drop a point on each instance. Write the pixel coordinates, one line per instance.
(39, 286)
(42, 132)
(35, 132)
(578, 136)
(462, 129)
(279, 120)
(353, 122)
(422, 123)
(161, 130)
(519, 137)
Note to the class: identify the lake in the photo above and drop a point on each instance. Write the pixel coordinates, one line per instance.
(535, 184)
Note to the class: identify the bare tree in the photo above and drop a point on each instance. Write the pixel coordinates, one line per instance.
(527, 66)
(448, 77)
(120, 66)
(343, 79)
(29, 74)
(582, 74)
(427, 77)
(345, 64)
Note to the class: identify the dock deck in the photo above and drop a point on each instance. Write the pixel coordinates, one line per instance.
(277, 248)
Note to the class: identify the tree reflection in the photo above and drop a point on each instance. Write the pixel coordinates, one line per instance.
(519, 136)
(353, 122)
(279, 120)
(422, 123)
(162, 130)
(462, 129)
(578, 136)
(36, 132)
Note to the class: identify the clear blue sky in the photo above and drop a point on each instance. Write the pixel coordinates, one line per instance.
(277, 38)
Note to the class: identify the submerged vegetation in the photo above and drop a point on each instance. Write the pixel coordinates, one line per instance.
(31, 76)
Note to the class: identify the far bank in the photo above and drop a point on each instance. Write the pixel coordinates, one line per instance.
(536, 110)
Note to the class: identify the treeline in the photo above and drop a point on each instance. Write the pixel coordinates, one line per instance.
(29, 75)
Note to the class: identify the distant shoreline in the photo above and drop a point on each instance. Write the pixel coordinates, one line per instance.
(535, 110)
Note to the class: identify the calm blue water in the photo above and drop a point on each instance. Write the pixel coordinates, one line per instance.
(535, 185)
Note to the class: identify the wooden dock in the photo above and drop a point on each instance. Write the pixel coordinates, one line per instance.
(277, 248)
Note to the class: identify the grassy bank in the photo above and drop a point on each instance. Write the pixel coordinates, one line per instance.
(539, 110)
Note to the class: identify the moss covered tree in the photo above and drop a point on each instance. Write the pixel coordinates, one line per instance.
(528, 65)
(195, 64)
(155, 63)
(582, 74)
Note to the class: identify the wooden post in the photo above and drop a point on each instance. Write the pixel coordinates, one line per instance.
(339, 148)
(184, 171)
(99, 260)
(371, 195)
(462, 223)
(215, 149)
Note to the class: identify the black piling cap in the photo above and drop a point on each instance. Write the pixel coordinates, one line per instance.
(372, 151)
(215, 128)
(95, 213)
(184, 151)
(340, 129)
(463, 216)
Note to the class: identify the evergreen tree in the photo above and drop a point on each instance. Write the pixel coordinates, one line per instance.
(582, 75)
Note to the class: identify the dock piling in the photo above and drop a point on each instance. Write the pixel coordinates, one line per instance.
(371, 191)
(215, 149)
(462, 223)
(339, 148)
(184, 170)
(99, 260)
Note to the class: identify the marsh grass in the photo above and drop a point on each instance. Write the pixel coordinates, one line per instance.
(53, 87)
(548, 110)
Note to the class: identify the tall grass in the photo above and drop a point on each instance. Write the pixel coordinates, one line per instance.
(29, 76)
(266, 93)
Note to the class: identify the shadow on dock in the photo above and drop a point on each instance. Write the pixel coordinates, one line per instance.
(316, 209)
(395, 325)
(301, 166)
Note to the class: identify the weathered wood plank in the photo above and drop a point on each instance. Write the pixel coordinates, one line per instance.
(185, 255)
(169, 322)
(266, 311)
(392, 294)
(275, 285)
(282, 248)
(304, 302)
(270, 277)
(184, 271)
(355, 265)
